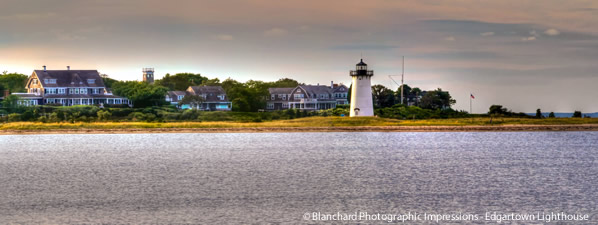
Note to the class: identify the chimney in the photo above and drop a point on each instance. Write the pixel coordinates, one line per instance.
(44, 68)
(331, 84)
(6, 93)
(68, 67)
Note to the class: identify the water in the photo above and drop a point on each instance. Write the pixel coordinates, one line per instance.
(246, 178)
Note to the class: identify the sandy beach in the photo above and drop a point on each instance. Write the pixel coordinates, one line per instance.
(497, 128)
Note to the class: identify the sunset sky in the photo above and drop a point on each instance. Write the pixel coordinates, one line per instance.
(521, 54)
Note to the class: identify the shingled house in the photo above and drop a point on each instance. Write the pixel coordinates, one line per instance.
(307, 97)
(67, 88)
(214, 98)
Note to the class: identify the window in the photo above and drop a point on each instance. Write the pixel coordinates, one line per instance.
(298, 96)
(180, 97)
(284, 97)
(272, 97)
(46, 81)
(221, 97)
(91, 81)
(285, 105)
(70, 91)
(96, 90)
(76, 90)
(34, 81)
(270, 106)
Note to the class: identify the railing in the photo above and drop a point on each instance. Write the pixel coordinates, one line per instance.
(304, 100)
(362, 73)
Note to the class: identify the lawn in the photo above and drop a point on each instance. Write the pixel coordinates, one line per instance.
(302, 122)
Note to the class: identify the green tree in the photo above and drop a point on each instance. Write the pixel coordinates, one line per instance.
(382, 96)
(142, 94)
(11, 102)
(539, 114)
(15, 82)
(437, 99)
(211, 82)
(497, 110)
(551, 115)
(577, 114)
(109, 81)
(181, 81)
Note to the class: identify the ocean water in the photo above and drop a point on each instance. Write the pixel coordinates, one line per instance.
(291, 178)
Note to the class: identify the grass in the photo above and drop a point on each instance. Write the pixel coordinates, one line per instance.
(302, 122)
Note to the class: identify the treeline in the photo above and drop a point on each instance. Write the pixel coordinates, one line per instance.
(247, 96)
(85, 113)
(14, 82)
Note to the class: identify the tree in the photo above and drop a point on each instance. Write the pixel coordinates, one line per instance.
(539, 114)
(382, 96)
(193, 100)
(577, 114)
(11, 102)
(211, 82)
(551, 115)
(406, 90)
(497, 110)
(416, 92)
(15, 82)
(108, 81)
(141, 93)
(181, 81)
(437, 99)
(284, 83)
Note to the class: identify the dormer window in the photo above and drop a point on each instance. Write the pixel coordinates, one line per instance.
(180, 97)
(91, 81)
(50, 81)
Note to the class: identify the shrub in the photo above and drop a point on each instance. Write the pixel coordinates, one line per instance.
(14, 117)
(104, 115)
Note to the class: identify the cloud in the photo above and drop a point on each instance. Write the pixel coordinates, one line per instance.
(275, 32)
(552, 32)
(304, 27)
(533, 33)
(224, 37)
(487, 34)
(530, 38)
(365, 47)
(449, 38)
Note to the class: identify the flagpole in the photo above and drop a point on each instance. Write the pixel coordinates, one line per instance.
(470, 108)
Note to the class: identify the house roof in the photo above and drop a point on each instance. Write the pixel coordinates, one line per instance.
(275, 91)
(211, 92)
(173, 95)
(70, 78)
(317, 89)
(340, 88)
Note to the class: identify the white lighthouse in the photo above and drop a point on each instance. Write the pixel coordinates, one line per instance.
(361, 91)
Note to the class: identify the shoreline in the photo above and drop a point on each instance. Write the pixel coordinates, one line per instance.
(472, 128)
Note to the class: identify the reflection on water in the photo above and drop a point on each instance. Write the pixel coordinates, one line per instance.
(277, 177)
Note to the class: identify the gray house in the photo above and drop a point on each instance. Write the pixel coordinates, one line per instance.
(307, 97)
(67, 88)
(214, 98)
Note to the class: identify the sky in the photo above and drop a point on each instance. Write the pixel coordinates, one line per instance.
(520, 54)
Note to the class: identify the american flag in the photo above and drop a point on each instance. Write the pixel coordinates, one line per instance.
(472, 97)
